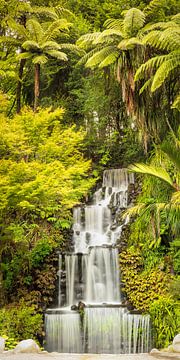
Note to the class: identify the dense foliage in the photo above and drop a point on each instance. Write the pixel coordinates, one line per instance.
(102, 78)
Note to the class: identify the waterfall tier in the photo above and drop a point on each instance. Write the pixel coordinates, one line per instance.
(92, 277)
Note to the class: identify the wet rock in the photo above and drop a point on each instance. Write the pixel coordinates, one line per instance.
(27, 346)
(81, 306)
(2, 344)
(74, 307)
(176, 343)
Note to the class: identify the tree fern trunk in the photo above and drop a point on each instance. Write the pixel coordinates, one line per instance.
(19, 86)
(36, 86)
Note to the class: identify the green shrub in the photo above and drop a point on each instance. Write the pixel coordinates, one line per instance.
(165, 316)
(19, 322)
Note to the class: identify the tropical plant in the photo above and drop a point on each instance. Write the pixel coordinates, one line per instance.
(39, 45)
(165, 38)
(168, 171)
(120, 45)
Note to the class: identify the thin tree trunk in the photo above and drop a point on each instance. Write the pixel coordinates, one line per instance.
(19, 86)
(36, 86)
(1, 286)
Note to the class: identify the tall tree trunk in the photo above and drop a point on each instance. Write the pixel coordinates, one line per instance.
(19, 86)
(1, 287)
(36, 86)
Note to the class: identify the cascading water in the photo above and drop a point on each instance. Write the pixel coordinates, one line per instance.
(92, 276)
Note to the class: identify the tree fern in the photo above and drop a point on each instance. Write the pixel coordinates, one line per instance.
(85, 41)
(115, 24)
(30, 44)
(106, 35)
(127, 44)
(99, 56)
(164, 71)
(110, 59)
(57, 54)
(40, 59)
(134, 20)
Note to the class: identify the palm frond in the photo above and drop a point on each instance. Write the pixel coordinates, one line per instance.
(134, 20)
(158, 172)
(57, 54)
(173, 152)
(134, 210)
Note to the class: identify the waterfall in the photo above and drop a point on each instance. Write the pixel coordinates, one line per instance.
(92, 277)
(115, 331)
(63, 333)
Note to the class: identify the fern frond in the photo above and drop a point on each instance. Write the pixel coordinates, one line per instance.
(62, 12)
(30, 44)
(86, 40)
(146, 85)
(110, 59)
(18, 29)
(40, 59)
(158, 172)
(151, 64)
(44, 11)
(35, 30)
(24, 55)
(176, 18)
(57, 54)
(50, 45)
(168, 39)
(127, 44)
(99, 56)
(87, 56)
(72, 47)
(164, 71)
(107, 35)
(9, 40)
(115, 24)
(176, 103)
(134, 20)
(54, 29)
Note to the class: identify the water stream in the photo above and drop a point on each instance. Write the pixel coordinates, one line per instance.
(92, 277)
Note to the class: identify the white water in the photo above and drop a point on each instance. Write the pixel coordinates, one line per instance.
(115, 331)
(63, 333)
(92, 276)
